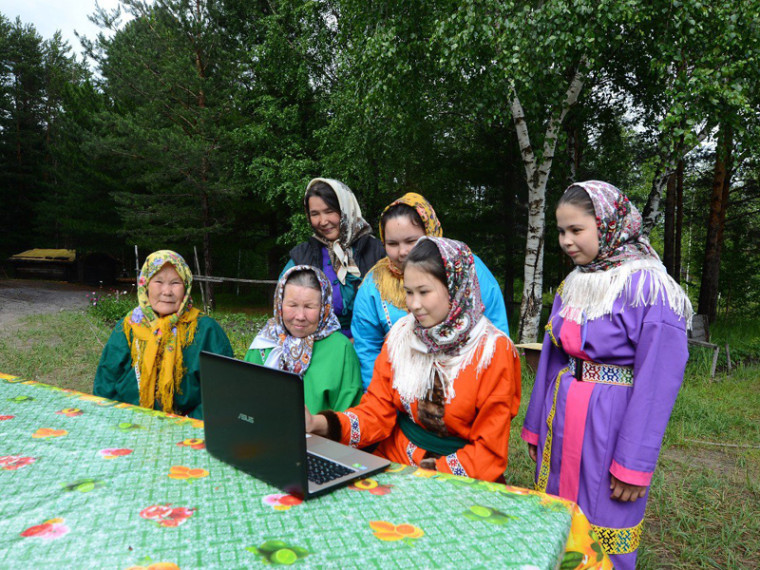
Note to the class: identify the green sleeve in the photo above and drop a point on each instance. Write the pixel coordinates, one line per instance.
(209, 337)
(115, 377)
(348, 390)
(254, 355)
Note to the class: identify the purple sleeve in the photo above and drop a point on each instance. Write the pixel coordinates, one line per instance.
(552, 360)
(659, 363)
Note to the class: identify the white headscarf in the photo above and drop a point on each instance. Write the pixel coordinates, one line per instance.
(352, 227)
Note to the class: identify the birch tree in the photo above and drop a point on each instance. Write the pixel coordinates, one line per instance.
(693, 63)
(535, 60)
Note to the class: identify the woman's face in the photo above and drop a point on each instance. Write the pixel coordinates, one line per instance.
(323, 219)
(166, 291)
(426, 297)
(578, 234)
(300, 310)
(400, 235)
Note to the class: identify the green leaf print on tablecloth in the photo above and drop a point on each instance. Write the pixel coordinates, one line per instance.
(278, 552)
(487, 514)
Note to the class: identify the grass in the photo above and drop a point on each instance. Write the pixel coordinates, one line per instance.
(705, 495)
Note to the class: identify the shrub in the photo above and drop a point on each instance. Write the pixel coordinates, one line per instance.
(112, 306)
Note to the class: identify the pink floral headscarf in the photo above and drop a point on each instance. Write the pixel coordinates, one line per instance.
(619, 226)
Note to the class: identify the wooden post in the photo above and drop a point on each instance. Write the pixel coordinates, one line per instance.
(237, 286)
(137, 265)
(203, 285)
(728, 358)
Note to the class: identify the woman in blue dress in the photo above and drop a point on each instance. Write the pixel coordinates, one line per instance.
(381, 300)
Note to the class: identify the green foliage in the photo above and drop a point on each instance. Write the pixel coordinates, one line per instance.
(112, 306)
(241, 329)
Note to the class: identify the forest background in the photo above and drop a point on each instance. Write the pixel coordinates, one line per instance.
(199, 123)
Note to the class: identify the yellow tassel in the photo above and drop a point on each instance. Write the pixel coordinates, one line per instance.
(389, 285)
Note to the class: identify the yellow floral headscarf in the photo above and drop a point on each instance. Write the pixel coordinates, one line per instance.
(155, 342)
(388, 278)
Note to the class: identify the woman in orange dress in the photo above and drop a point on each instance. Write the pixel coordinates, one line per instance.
(447, 382)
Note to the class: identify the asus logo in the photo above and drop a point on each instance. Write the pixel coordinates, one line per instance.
(245, 418)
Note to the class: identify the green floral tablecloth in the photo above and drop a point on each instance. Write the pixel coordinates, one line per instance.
(92, 483)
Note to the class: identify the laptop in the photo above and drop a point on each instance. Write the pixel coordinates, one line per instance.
(254, 420)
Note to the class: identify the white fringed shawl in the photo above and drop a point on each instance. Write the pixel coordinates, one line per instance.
(593, 294)
(414, 367)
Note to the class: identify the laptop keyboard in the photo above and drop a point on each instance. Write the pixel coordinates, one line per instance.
(321, 470)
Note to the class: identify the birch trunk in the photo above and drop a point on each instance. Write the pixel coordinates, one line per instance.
(537, 175)
(668, 166)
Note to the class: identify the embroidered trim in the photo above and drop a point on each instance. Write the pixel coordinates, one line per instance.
(619, 540)
(549, 328)
(408, 409)
(410, 449)
(387, 314)
(546, 455)
(456, 467)
(603, 373)
(356, 433)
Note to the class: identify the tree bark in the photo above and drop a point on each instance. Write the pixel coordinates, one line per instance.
(708, 291)
(537, 176)
(668, 256)
(679, 222)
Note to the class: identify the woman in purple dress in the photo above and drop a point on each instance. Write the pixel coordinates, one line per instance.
(611, 366)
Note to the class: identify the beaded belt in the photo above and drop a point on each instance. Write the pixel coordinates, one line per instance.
(588, 371)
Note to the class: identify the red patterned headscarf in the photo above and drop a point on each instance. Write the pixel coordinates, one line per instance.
(464, 295)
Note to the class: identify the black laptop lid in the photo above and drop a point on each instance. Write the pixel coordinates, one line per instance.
(254, 420)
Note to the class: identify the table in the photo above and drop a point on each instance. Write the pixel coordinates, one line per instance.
(92, 483)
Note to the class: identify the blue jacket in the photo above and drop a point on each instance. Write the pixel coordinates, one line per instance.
(373, 317)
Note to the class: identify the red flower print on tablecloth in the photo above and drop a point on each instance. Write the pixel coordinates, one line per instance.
(14, 462)
(372, 486)
(70, 412)
(388, 531)
(280, 502)
(113, 453)
(166, 515)
(193, 442)
(182, 472)
(3, 418)
(50, 529)
(49, 432)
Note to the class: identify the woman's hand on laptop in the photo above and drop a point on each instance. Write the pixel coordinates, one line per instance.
(315, 424)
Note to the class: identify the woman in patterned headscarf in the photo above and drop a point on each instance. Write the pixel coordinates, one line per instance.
(342, 245)
(152, 356)
(447, 382)
(611, 366)
(299, 338)
(381, 300)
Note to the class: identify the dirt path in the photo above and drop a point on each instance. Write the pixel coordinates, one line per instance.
(22, 297)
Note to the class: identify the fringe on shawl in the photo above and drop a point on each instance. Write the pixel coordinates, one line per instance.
(147, 381)
(414, 368)
(389, 285)
(593, 294)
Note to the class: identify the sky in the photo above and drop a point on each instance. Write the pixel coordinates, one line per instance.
(47, 16)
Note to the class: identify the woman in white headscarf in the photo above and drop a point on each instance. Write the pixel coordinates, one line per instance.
(342, 246)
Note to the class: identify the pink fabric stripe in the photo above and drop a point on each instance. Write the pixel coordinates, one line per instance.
(529, 436)
(576, 409)
(641, 478)
(570, 336)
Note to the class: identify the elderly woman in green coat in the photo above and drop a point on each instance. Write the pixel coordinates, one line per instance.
(152, 356)
(304, 337)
